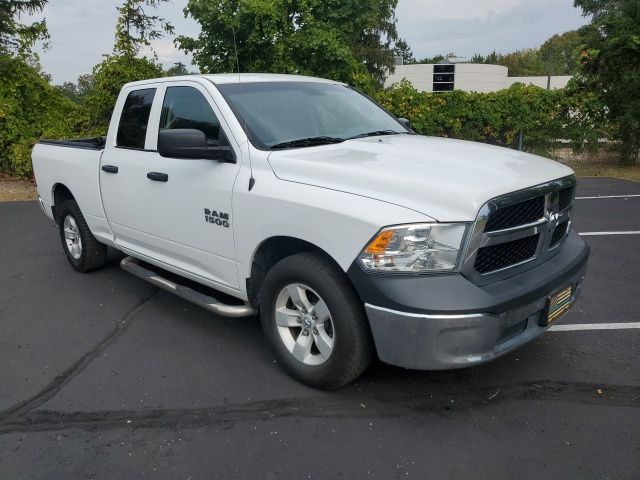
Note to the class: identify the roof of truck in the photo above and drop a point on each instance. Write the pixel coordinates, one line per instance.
(262, 77)
(222, 78)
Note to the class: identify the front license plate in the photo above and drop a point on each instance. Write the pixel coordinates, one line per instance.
(559, 304)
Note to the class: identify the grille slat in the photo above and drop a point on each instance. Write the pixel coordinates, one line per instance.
(496, 257)
(565, 198)
(515, 215)
(559, 233)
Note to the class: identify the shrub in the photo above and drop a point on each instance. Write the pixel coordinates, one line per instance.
(30, 108)
(108, 78)
(498, 117)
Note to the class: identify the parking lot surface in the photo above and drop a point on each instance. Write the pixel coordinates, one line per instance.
(104, 377)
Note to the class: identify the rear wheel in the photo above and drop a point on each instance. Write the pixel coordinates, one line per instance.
(82, 249)
(315, 321)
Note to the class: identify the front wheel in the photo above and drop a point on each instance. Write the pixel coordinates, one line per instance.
(315, 321)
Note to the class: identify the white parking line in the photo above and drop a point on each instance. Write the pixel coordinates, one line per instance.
(606, 196)
(592, 234)
(595, 326)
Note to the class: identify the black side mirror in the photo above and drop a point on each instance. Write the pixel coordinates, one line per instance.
(405, 122)
(192, 144)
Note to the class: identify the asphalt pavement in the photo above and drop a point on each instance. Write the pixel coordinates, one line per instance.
(104, 377)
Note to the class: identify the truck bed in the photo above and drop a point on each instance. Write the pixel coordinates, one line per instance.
(76, 165)
(95, 143)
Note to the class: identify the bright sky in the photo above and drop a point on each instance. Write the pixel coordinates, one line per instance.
(82, 30)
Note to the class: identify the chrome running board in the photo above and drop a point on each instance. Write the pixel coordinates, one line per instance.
(131, 265)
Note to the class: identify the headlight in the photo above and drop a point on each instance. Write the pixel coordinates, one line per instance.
(419, 248)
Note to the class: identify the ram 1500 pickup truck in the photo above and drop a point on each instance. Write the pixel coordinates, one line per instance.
(303, 200)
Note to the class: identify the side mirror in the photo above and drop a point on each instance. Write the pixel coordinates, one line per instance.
(405, 122)
(192, 144)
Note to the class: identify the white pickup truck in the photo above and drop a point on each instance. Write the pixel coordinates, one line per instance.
(303, 200)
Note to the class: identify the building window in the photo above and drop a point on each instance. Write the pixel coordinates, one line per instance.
(443, 77)
(442, 87)
(447, 68)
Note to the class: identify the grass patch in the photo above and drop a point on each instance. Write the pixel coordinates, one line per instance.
(12, 190)
(600, 163)
(623, 173)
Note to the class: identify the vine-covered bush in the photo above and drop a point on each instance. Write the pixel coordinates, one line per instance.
(543, 116)
(108, 78)
(30, 108)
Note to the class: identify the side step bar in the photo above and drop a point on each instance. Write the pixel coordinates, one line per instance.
(131, 265)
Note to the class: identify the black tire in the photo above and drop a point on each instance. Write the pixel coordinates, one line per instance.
(352, 347)
(93, 254)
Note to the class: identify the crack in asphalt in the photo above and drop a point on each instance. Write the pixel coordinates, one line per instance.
(339, 406)
(22, 409)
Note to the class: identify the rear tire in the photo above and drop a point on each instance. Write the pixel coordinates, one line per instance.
(315, 321)
(83, 251)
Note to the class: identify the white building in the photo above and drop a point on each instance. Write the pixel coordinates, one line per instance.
(471, 77)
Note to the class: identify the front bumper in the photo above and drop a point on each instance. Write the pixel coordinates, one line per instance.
(437, 322)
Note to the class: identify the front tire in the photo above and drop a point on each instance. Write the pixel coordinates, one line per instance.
(315, 321)
(83, 251)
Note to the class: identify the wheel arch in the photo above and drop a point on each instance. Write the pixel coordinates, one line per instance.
(269, 252)
(59, 193)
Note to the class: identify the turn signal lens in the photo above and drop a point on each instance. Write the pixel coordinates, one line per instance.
(380, 243)
(416, 248)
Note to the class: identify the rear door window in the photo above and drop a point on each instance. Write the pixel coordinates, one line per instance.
(134, 120)
(186, 107)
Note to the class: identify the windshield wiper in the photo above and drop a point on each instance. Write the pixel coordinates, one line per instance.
(307, 142)
(376, 133)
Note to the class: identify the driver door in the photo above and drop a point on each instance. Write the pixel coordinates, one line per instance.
(182, 209)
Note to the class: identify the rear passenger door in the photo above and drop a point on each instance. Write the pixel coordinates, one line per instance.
(177, 211)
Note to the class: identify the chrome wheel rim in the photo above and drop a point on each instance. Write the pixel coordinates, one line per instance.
(72, 237)
(304, 324)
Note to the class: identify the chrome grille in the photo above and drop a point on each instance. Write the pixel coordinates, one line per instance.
(503, 255)
(516, 231)
(518, 214)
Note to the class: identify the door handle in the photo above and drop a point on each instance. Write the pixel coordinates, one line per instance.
(158, 177)
(110, 169)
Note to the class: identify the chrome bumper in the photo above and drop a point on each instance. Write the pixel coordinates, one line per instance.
(42, 207)
(441, 342)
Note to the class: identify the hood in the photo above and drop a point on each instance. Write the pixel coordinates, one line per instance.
(447, 180)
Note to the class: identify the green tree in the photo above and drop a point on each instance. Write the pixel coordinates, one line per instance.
(109, 76)
(348, 41)
(610, 66)
(77, 92)
(69, 90)
(559, 55)
(436, 58)
(12, 31)
(136, 27)
(522, 63)
(179, 69)
(402, 49)
(30, 108)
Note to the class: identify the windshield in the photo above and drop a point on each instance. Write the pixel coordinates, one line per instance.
(300, 114)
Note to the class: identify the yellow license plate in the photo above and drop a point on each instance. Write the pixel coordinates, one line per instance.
(559, 304)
